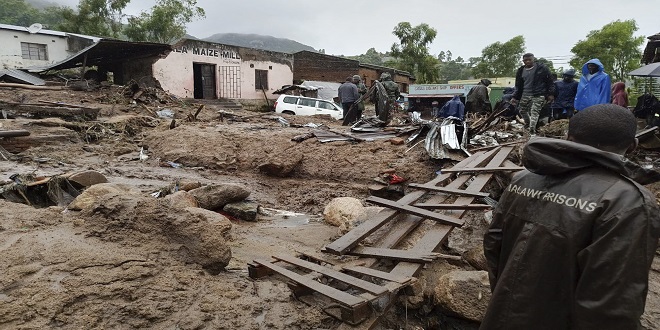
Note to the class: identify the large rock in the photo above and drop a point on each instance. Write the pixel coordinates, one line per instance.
(213, 197)
(98, 192)
(243, 210)
(87, 178)
(347, 213)
(281, 165)
(203, 233)
(464, 293)
(476, 258)
(181, 200)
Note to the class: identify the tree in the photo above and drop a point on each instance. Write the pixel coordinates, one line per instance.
(165, 23)
(548, 64)
(452, 69)
(94, 17)
(18, 12)
(614, 45)
(371, 57)
(500, 59)
(412, 53)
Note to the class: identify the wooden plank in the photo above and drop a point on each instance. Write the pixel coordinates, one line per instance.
(378, 274)
(401, 255)
(329, 272)
(355, 236)
(484, 169)
(436, 206)
(415, 211)
(330, 292)
(410, 222)
(454, 191)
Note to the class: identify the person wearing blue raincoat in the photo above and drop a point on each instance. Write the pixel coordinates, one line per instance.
(453, 108)
(594, 86)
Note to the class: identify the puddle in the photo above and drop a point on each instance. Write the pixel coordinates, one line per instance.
(274, 218)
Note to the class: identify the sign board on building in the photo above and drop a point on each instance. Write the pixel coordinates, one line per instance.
(438, 89)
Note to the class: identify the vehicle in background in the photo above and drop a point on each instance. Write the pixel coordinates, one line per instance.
(307, 106)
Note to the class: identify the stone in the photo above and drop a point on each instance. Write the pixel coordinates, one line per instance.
(189, 185)
(281, 165)
(464, 293)
(97, 192)
(397, 141)
(216, 196)
(476, 258)
(181, 200)
(347, 213)
(87, 178)
(243, 210)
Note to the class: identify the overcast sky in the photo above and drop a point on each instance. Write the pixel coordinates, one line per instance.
(350, 27)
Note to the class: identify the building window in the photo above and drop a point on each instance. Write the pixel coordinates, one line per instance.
(32, 51)
(261, 79)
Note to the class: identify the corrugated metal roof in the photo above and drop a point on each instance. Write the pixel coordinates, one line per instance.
(21, 77)
(106, 51)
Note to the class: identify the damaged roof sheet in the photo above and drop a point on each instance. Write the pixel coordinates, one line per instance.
(19, 76)
(108, 51)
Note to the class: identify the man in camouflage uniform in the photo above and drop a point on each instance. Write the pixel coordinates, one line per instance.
(534, 85)
(362, 89)
(393, 94)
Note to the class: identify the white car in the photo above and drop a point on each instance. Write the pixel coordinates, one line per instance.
(307, 106)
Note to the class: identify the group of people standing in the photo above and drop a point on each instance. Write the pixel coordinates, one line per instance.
(351, 96)
(536, 88)
(573, 236)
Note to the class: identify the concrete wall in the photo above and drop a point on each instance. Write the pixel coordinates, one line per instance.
(234, 69)
(321, 67)
(10, 51)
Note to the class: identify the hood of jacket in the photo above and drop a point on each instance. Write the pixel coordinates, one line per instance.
(547, 156)
(618, 88)
(585, 70)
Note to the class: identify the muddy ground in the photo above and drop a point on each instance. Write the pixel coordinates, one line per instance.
(67, 269)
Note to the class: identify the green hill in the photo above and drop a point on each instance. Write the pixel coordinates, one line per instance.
(259, 42)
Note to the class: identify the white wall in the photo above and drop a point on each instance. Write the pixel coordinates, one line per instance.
(175, 72)
(10, 49)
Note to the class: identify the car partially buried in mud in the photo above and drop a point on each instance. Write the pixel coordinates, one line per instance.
(307, 106)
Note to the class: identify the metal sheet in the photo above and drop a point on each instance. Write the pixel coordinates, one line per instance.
(21, 77)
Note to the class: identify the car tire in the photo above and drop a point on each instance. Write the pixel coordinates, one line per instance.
(289, 112)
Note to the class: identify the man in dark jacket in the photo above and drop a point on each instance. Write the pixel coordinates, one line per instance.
(573, 236)
(348, 93)
(453, 108)
(534, 84)
(565, 91)
(477, 100)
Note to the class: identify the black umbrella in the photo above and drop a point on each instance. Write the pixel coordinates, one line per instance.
(651, 70)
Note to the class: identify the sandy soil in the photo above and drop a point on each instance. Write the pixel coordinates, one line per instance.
(66, 269)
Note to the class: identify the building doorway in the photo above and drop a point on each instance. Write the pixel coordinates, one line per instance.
(204, 76)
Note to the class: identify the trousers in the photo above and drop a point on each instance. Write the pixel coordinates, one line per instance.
(530, 109)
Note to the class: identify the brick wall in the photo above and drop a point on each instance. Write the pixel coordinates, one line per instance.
(321, 67)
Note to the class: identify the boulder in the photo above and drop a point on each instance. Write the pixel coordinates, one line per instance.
(216, 196)
(464, 293)
(203, 234)
(347, 213)
(476, 258)
(99, 191)
(242, 210)
(87, 178)
(281, 165)
(181, 200)
(189, 185)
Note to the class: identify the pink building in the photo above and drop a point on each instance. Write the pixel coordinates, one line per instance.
(201, 69)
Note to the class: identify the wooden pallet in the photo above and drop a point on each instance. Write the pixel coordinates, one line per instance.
(358, 297)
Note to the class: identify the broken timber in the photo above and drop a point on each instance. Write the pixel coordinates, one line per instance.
(484, 169)
(404, 215)
(39, 111)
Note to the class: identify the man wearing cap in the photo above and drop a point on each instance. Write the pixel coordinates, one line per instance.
(477, 98)
(565, 91)
(534, 85)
